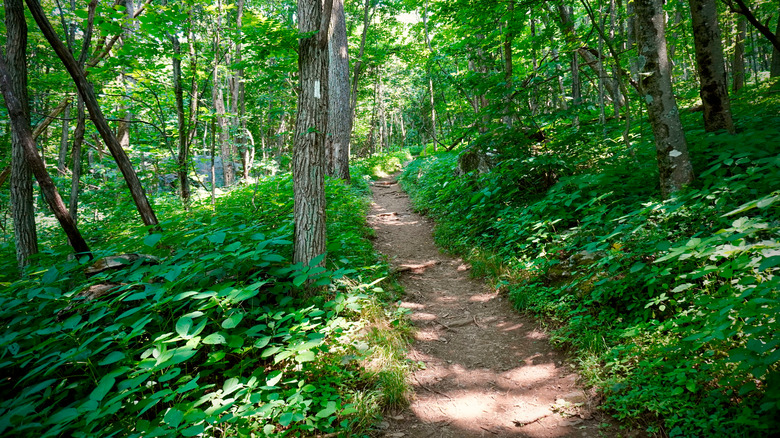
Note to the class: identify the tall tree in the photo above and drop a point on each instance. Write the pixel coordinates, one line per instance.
(339, 111)
(23, 210)
(21, 127)
(655, 84)
(738, 64)
(310, 129)
(96, 114)
(711, 66)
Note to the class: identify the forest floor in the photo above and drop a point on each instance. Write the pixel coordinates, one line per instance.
(482, 369)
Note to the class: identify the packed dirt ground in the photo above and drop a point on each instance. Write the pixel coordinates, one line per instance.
(482, 369)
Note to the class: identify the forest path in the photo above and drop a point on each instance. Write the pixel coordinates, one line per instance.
(485, 370)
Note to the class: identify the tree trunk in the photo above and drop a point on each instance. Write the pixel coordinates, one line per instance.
(775, 69)
(87, 93)
(63, 156)
(22, 207)
(430, 78)
(656, 88)
(218, 97)
(738, 65)
(78, 134)
(21, 128)
(238, 103)
(508, 67)
(711, 66)
(310, 129)
(359, 63)
(339, 109)
(183, 157)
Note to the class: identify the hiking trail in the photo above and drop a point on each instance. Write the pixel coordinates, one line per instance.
(484, 369)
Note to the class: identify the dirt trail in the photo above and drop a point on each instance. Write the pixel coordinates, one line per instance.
(485, 370)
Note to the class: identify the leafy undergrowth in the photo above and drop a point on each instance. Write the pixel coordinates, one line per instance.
(208, 336)
(670, 305)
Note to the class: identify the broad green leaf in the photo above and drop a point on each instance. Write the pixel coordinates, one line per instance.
(194, 430)
(105, 385)
(183, 326)
(114, 356)
(217, 238)
(232, 321)
(769, 262)
(286, 418)
(214, 339)
(173, 417)
(329, 410)
(152, 239)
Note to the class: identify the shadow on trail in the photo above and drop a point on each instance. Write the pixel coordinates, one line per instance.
(483, 370)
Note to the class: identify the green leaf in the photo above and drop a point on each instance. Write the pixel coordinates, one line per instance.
(300, 279)
(217, 238)
(306, 356)
(173, 417)
(274, 378)
(638, 266)
(232, 321)
(152, 239)
(50, 276)
(193, 430)
(286, 418)
(214, 339)
(183, 326)
(690, 386)
(105, 385)
(329, 410)
(769, 262)
(114, 356)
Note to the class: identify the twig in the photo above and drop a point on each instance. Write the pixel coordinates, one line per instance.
(491, 431)
(475, 322)
(526, 423)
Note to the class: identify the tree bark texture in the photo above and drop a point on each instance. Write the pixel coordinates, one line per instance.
(655, 85)
(96, 114)
(738, 65)
(774, 71)
(218, 97)
(359, 62)
(23, 210)
(711, 66)
(184, 147)
(310, 129)
(21, 126)
(339, 106)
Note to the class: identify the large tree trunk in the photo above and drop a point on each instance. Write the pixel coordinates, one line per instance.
(20, 125)
(655, 85)
(87, 93)
(711, 66)
(508, 67)
(23, 210)
(310, 129)
(339, 110)
(738, 65)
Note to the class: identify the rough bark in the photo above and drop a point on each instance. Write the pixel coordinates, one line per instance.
(310, 129)
(238, 103)
(339, 106)
(21, 127)
(738, 64)
(22, 207)
(711, 66)
(655, 85)
(96, 114)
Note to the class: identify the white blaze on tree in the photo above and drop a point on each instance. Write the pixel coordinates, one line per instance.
(655, 84)
(310, 129)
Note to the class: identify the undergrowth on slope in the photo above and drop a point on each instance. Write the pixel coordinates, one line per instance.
(205, 334)
(670, 305)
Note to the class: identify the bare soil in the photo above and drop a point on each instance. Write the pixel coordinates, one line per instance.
(484, 369)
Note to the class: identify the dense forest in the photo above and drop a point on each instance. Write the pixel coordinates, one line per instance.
(184, 187)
